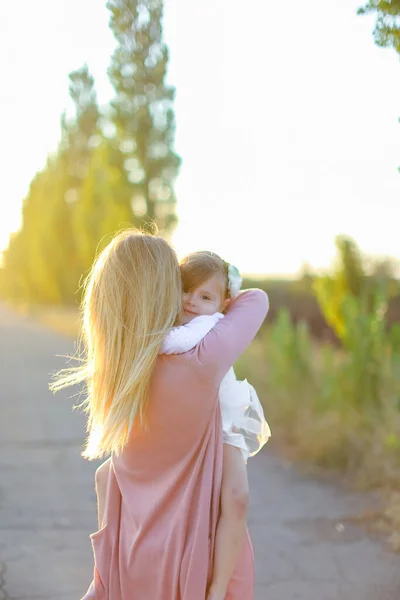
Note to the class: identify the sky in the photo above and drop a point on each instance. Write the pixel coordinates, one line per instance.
(286, 121)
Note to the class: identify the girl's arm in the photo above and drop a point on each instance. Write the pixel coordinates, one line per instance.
(182, 339)
(220, 349)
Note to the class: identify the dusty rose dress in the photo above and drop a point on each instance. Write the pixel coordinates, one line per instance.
(163, 492)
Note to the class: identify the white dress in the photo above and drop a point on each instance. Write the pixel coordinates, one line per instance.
(243, 421)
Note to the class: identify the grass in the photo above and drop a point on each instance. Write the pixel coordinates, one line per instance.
(361, 446)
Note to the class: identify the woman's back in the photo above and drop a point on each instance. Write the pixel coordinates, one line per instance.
(162, 503)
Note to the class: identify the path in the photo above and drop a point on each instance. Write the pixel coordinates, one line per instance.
(47, 501)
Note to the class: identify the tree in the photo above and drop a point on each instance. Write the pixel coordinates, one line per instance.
(348, 279)
(15, 274)
(143, 108)
(79, 135)
(350, 268)
(41, 263)
(387, 28)
(38, 264)
(104, 204)
(97, 181)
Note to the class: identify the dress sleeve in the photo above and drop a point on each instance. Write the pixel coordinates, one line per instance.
(220, 349)
(182, 339)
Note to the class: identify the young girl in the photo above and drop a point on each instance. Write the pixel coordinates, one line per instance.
(209, 284)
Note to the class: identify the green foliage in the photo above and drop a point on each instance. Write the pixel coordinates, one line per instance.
(104, 204)
(330, 401)
(290, 363)
(356, 307)
(113, 168)
(291, 349)
(394, 336)
(348, 279)
(387, 29)
(143, 106)
(326, 401)
(36, 263)
(368, 359)
(41, 264)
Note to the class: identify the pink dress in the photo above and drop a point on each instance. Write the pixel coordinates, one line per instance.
(163, 492)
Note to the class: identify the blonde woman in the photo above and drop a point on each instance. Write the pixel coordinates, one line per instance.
(158, 417)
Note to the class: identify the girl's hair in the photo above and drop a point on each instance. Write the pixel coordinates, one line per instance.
(197, 267)
(132, 297)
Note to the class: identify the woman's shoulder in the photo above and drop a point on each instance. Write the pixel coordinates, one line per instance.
(219, 350)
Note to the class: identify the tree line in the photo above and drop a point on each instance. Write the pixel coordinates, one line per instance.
(114, 166)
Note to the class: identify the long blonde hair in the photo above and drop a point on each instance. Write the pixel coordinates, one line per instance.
(132, 297)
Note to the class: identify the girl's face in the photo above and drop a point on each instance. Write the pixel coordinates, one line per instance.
(206, 299)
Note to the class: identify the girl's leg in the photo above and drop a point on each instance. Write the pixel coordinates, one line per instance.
(231, 529)
(100, 478)
(241, 586)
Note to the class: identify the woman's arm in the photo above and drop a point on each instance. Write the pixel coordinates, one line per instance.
(220, 349)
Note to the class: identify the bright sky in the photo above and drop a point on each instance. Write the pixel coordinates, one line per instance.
(287, 121)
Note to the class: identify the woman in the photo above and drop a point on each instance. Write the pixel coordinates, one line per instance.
(158, 416)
